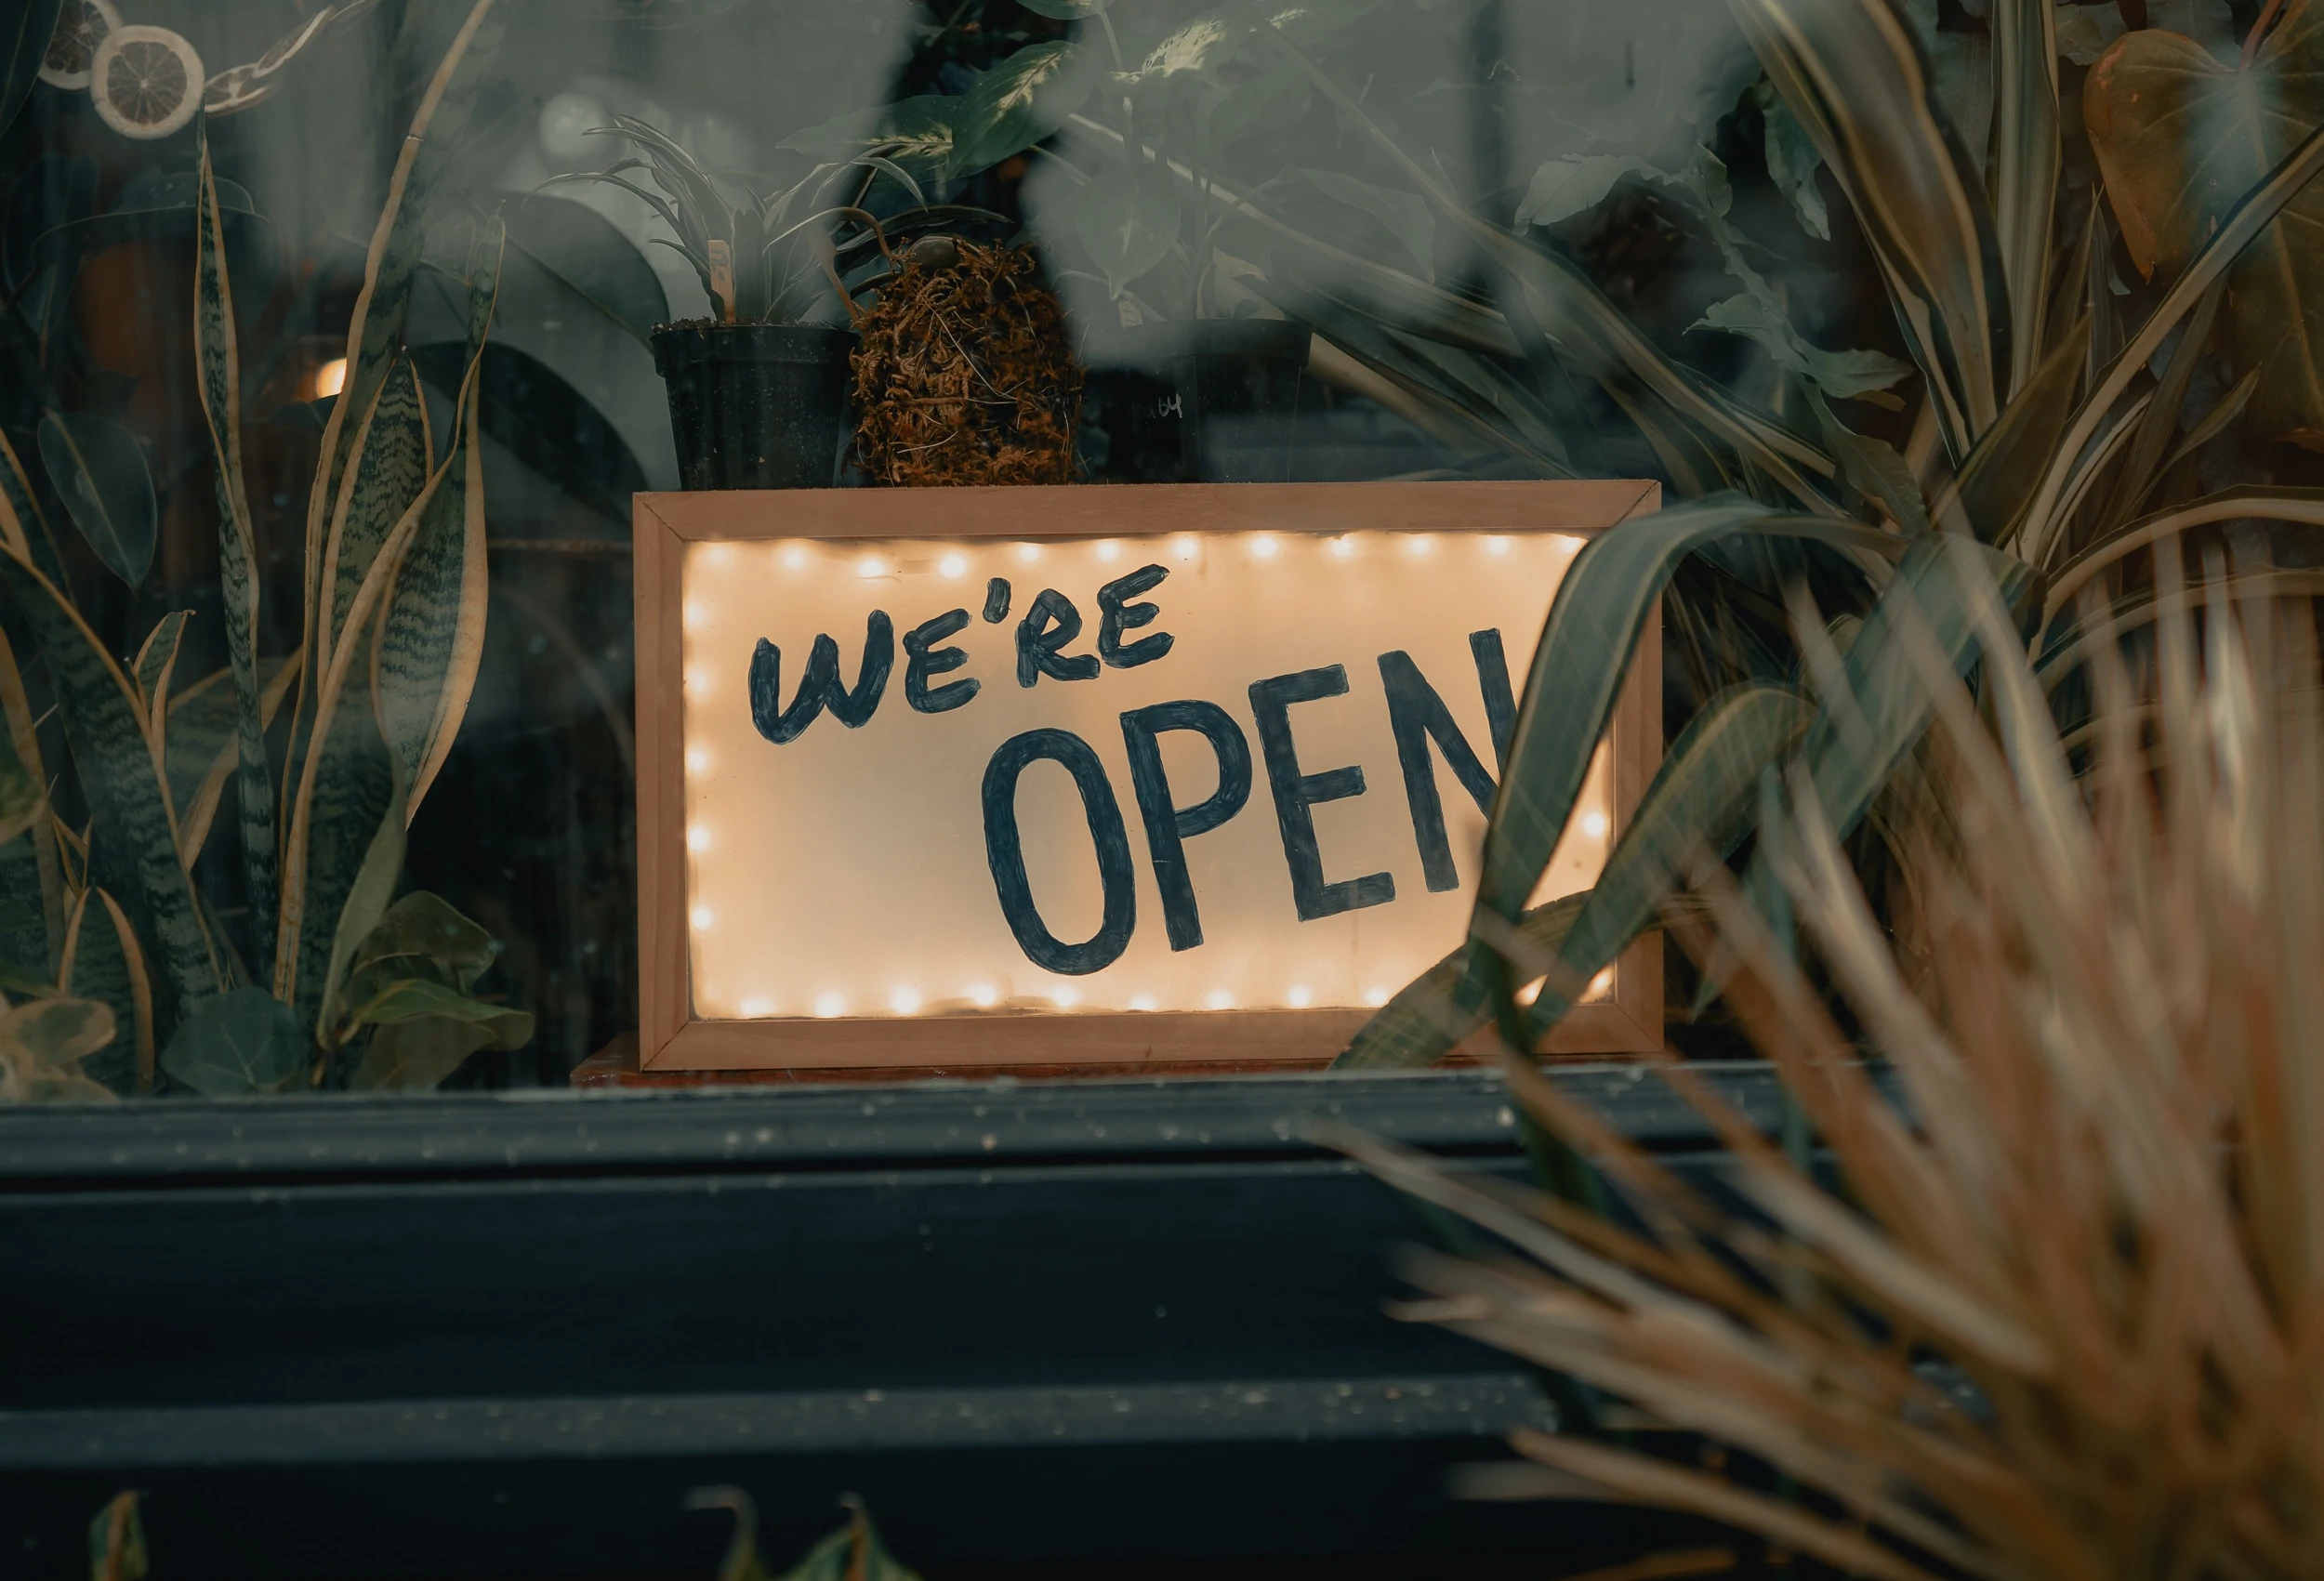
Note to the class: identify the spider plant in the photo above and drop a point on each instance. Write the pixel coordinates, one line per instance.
(762, 258)
(2055, 437)
(2058, 1315)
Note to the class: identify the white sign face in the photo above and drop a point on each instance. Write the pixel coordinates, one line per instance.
(1225, 771)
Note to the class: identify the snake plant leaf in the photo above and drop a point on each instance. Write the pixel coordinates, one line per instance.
(133, 824)
(25, 936)
(23, 982)
(23, 800)
(2179, 138)
(23, 41)
(1127, 226)
(526, 407)
(1989, 495)
(430, 639)
(42, 1047)
(1595, 624)
(1018, 102)
(202, 744)
(1855, 76)
(364, 903)
(32, 893)
(398, 243)
(220, 387)
(346, 819)
(155, 659)
(99, 469)
(395, 455)
(104, 962)
(852, 1553)
(236, 1045)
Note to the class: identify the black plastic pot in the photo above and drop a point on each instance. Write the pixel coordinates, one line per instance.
(755, 405)
(1211, 401)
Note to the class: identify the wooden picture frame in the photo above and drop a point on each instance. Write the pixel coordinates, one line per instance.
(671, 1037)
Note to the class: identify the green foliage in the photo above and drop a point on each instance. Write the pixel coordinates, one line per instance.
(2049, 463)
(851, 1553)
(42, 1045)
(393, 601)
(23, 40)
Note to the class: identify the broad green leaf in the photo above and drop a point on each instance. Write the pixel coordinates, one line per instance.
(104, 962)
(237, 1044)
(1564, 188)
(1404, 215)
(586, 256)
(1989, 495)
(1843, 376)
(31, 878)
(416, 1055)
(1874, 470)
(134, 840)
(424, 936)
(99, 468)
(1679, 410)
(221, 388)
(42, 1047)
(1269, 101)
(1017, 103)
(23, 40)
(1585, 651)
(1126, 226)
(917, 133)
(418, 999)
(1066, 10)
(23, 982)
(527, 408)
(1853, 74)
(2180, 137)
(1792, 163)
(1197, 48)
(25, 936)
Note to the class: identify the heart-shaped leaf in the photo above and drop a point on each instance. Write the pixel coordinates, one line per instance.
(99, 469)
(1127, 226)
(2180, 137)
(235, 1044)
(1018, 103)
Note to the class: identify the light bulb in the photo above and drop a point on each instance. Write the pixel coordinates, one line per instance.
(983, 996)
(1375, 997)
(1419, 546)
(830, 1005)
(1028, 552)
(905, 1000)
(1496, 545)
(759, 1006)
(698, 759)
(1263, 546)
(1220, 999)
(705, 920)
(871, 566)
(795, 557)
(697, 838)
(1109, 551)
(1298, 998)
(954, 566)
(1142, 1001)
(1343, 545)
(1187, 548)
(1593, 824)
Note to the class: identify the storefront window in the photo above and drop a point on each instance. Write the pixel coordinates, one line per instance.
(340, 339)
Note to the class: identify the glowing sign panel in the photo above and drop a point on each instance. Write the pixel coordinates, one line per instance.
(1032, 784)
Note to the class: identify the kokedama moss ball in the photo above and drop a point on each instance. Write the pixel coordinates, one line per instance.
(966, 375)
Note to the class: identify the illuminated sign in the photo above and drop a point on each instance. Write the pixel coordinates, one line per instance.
(1089, 775)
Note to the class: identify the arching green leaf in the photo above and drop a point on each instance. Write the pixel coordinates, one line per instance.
(99, 468)
(1018, 103)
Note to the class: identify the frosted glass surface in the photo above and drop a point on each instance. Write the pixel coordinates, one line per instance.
(846, 872)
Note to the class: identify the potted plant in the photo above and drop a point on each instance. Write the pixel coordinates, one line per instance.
(758, 390)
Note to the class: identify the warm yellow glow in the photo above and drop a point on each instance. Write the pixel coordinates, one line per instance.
(1601, 985)
(847, 869)
(1531, 991)
(331, 378)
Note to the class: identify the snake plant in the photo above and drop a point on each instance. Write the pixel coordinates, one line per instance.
(330, 749)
